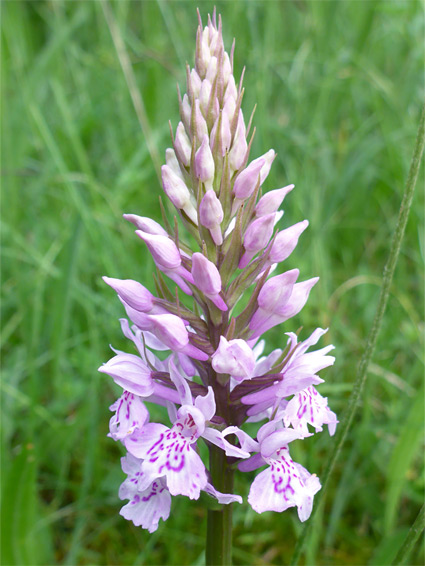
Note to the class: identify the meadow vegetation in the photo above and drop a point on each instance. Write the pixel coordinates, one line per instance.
(338, 88)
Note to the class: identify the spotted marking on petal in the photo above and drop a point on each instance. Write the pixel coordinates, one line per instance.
(174, 444)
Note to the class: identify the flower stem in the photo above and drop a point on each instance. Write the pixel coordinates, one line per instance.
(219, 523)
(348, 415)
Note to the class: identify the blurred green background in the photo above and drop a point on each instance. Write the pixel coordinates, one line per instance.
(339, 87)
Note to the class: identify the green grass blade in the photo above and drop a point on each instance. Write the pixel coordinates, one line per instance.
(414, 533)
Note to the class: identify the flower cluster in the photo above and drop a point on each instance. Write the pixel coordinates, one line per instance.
(211, 375)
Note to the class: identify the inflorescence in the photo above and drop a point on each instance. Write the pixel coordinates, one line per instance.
(212, 375)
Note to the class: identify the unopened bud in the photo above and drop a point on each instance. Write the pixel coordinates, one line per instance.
(133, 293)
(195, 83)
(231, 90)
(211, 215)
(183, 145)
(174, 187)
(239, 146)
(271, 201)
(204, 96)
(170, 329)
(207, 279)
(164, 251)
(257, 237)
(204, 164)
(298, 298)
(186, 111)
(201, 127)
(276, 291)
(229, 109)
(146, 224)
(247, 180)
(172, 162)
(268, 160)
(227, 68)
(286, 241)
(212, 70)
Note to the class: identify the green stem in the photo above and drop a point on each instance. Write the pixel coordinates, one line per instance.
(413, 535)
(348, 415)
(219, 523)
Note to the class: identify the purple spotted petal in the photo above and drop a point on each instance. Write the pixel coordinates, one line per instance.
(284, 484)
(130, 414)
(144, 508)
(310, 407)
(168, 453)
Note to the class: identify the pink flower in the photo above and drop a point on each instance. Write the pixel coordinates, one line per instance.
(234, 357)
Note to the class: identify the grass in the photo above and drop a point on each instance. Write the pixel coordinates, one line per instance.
(339, 87)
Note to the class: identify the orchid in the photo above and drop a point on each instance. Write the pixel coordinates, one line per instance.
(211, 377)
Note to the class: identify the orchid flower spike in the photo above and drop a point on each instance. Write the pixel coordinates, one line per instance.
(197, 341)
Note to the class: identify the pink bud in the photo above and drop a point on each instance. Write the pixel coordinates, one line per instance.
(298, 299)
(140, 319)
(215, 110)
(204, 96)
(177, 192)
(212, 70)
(279, 301)
(229, 109)
(174, 187)
(183, 145)
(271, 201)
(133, 293)
(186, 110)
(276, 292)
(231, 90)
(170, 329)
(207, 279)
(234, 357)
(268, 157)
(172, 162)
(214, 40)
(211, 215)
(257, 237)
(131, 373)
(239, 146)
(201, 127)
(227, 68)
(164, 251)
(204, 163)
(248, 179)
(285, 242)
(204, 56)
(146, 224)
(195, 83)
(167, 258)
